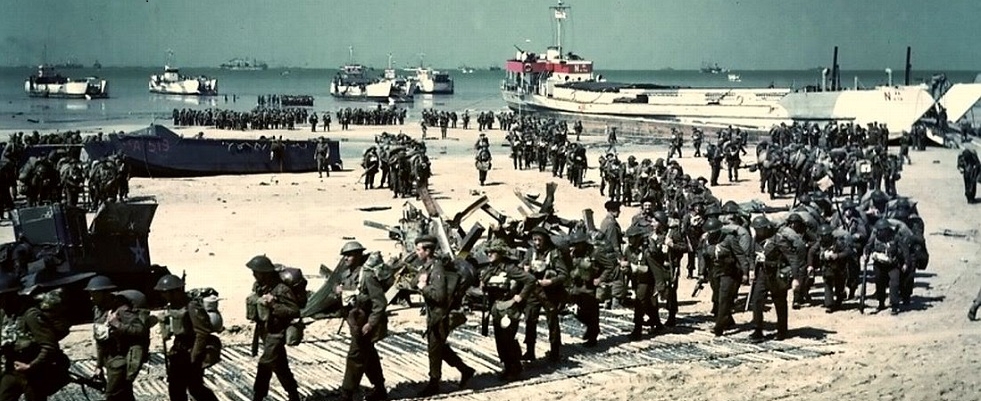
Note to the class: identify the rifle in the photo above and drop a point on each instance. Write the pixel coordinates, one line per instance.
(96, 383)
(699, 286)
(485, 316)
(254, 350)
(861, 305)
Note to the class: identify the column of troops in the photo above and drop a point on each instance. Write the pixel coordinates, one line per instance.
(448, 119)
(402, 161)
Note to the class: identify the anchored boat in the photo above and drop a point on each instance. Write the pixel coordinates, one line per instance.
(171, 82)
(47, 83)
(565, 83)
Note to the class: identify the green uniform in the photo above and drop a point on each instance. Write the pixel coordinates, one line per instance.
(363, 302)
(185, 357)
(122, 345)
(32, 338)
(273, 320)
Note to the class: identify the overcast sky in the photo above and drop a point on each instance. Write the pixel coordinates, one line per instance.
(616, 34)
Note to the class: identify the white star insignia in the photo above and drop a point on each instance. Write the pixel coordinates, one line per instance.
(139, 253)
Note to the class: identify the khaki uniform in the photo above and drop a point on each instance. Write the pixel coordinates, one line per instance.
(272, 321)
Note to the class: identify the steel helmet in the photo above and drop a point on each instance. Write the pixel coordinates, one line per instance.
(9, 283)
(731, 207)
(352, 247)
(100, 283)
(712, 225)
(661, 217)
(498, 245)
(883, 226)
(135, 298)
(261, 264)
(169, 282)
(291, 276)
(795, 218)
(760, 222)
(825, 229)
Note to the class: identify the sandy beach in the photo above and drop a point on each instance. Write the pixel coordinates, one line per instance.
(209, 228)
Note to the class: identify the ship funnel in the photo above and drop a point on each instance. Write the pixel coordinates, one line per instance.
(889, 73)
(824, 79)
(908, 65)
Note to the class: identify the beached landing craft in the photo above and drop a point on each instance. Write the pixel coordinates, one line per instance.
(352, 83)
(171, 82)
(46, 83)
(565, 83)
(431, 81)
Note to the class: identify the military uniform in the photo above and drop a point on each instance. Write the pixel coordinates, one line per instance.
(321, 155)
(188, 323)
(363, 304)
(667, 245)
(696, 141)
(275, 307)
(483, 164)
(777, 257)
(890, 259)
(30, 336)
(500, 282)
(586, 269)
(435, 290)
(832, 255)
(723, 264)
(122, 339)
(545, 264)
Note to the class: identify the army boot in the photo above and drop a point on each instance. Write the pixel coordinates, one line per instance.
(431, 389)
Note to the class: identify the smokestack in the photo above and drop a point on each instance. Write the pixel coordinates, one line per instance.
(908, 65)
(835, 72)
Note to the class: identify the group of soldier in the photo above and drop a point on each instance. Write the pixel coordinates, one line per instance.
(402, 162)
(377, 115)
(261, 118)
(284, 100)
(448, 119)
(544, 142)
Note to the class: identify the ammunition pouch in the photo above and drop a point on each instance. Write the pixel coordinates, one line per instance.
(212, 351)
(251, 309)
(294, 333)
(136, 356)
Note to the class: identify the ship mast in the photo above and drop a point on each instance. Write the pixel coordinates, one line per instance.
(560, 14)
(350, 54)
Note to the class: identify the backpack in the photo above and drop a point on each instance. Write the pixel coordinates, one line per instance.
(460, 276)
(209, 300)
(293, 278)
(383, 272)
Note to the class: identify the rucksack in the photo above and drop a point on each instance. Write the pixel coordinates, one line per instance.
(293, 278)
(209, 301)
(383, 272)
(460, 276)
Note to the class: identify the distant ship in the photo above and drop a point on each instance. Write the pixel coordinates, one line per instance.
(561, 84)
(241, 64)
(47, 83)
(713, 69)
(466, 70)
(171, 82)
(494, 68)
(97, 65)
(430, 81)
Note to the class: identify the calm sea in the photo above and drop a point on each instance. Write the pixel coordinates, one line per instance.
(130, 103)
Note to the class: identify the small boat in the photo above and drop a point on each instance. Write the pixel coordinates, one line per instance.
(713, 69)
(241, 64)
(156, 151)
(734, 78)
(171, 82)
(47, 83)
(466, 70)
(428, 80)
(353, 83)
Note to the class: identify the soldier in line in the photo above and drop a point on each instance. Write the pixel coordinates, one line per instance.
(639, 261)
(548, 265)
(611, 138)
(696, 140)
(832, 255)
(371, 163)
(189, 325)
(434, 288)
(326, 121)
(483, 163)
(33, 364)
(801, 274)
(362, 299)
(614, 280)
(122, 338)
(970, 168)
(584, 277)
(776, 258)
(890, 259)
(715, 156)
(723, 265)
(668, 245)
(507, 287)
(321, 154)
(313, 122)
(275, 307)
(677, 141)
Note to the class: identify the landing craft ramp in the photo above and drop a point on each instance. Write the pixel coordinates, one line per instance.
(319, 364)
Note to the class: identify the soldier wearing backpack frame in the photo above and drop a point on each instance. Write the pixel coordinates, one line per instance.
(121, 330)
(189, 324)
(273, 306)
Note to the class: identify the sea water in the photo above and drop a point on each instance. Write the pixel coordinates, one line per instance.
(131, 104)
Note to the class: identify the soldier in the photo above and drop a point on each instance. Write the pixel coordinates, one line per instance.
(611, 138)
(715, 157)
(33, 364)
(362, 299)
(723, 264)
(577, 128)
(584, 277)
(466, 119)
(548, 265)
(326, 121)
(832, 255)
(506, 287)
(189, 324)
(122, 338)
(611, 228)
(275, 308)
(629, 179)
(313, 122)
(640, 263)
(970, 168)
(776, 258)
(801, 273)
(321, 154)
(890, 260)
(677, 141)
(371, 164)
(483, 163)
(696, 140)
(434, 288)
(667, 245)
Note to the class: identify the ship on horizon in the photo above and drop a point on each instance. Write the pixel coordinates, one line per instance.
(562, 83)
(241, 64)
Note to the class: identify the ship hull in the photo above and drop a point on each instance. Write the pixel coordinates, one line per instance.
(757, 109)
(159, 152)
(88, 89)
(382, 92)
(191, 87)
(434, 88)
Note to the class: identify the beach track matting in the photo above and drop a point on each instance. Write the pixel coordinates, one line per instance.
(318, 364)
